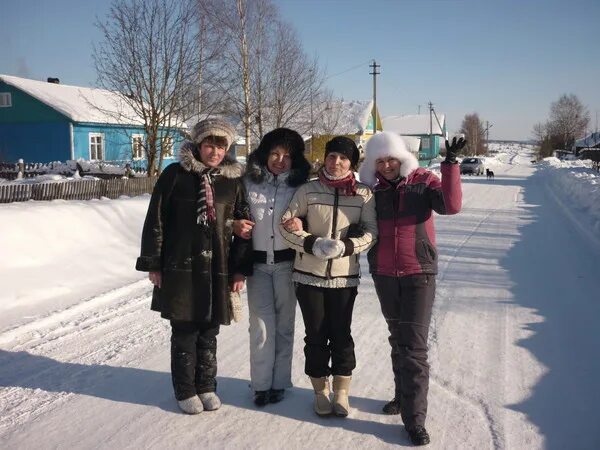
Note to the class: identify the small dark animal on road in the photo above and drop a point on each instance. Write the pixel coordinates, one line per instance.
(490, 174)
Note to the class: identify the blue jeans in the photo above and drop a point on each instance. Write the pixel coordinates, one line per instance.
(272, 307)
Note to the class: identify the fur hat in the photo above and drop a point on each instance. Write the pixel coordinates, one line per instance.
(386, 144)
(213, 127)
(344, 146)
(279, 137)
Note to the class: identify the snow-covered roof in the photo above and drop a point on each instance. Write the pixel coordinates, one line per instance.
(80, 104)
(415, 124)
(333, 117)
(412, 143)
(351, 117)
(592, 140)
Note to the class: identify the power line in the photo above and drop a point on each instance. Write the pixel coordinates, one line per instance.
(348, 70)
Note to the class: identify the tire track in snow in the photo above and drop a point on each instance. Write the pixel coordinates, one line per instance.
(62, 348)
(59, 319)
(486, 411)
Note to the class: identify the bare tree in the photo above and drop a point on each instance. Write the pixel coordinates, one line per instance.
(474, 131)
(150, 55)
(296, 82)
(268, 79)
(233, 19)
(569, 119)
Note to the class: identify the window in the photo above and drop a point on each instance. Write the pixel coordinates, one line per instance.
(5, 100)
(166, 143)
(96, 146)
(137, 146)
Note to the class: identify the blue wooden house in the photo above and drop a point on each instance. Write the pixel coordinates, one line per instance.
(46, 121)
(428, 128)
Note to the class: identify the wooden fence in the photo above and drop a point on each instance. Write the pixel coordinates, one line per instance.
(84, 189)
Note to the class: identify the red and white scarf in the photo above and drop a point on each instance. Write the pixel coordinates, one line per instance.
(346, 183)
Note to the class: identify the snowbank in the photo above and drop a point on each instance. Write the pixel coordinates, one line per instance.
(54, 253)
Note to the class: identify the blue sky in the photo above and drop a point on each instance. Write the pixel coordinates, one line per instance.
(506, 60)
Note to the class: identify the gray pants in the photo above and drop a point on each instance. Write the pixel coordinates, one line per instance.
(272, 306)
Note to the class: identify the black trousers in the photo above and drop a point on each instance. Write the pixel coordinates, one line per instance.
(193, 358)
(406, 304)
(327, 315)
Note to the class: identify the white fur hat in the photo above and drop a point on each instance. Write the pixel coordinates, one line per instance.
(386, 144)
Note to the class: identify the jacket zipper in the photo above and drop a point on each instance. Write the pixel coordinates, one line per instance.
(273, 221)
(336, 200)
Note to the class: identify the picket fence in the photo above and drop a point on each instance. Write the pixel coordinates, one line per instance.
(84, 189)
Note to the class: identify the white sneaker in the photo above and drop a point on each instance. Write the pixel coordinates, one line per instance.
(191, 405)
(210, 401)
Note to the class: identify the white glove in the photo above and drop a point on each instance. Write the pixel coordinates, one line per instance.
(325, 248)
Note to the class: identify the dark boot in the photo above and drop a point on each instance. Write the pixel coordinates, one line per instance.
(183, 360)
(392, 407)
(261, 398)
(418, 435)
(276, 395)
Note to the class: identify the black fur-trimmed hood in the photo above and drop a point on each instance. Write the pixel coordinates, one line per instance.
(229, 168)
(256, 168)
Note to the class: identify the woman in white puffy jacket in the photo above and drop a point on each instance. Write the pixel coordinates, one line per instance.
(274, 171)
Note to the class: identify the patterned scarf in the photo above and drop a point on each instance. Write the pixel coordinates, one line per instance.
(206, 197)
(347, 183)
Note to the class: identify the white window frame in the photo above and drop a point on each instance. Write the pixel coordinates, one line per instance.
(135, 138)
(5, 100)
(167, 149)
(96, 146)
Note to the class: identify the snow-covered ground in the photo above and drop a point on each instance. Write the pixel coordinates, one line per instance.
(84, 363)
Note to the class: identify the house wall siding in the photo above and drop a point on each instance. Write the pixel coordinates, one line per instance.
(27, 109)
(117, 141)
(35, 142)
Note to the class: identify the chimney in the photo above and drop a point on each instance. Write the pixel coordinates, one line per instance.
(53, 80)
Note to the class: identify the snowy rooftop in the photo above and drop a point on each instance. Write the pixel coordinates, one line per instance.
(589, 141)
(413, 124)
(353, 115)
(80, 104)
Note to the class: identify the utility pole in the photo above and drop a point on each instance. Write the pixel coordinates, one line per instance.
(430, 125)
(374, 66)
(312, 136)
(487, 136)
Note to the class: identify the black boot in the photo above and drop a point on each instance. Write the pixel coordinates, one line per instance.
(392, 407)
(276, 395)
(261, 398)
(418, 435)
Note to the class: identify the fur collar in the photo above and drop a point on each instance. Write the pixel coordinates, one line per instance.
(380, 146)
(258, 174)
(229, 168)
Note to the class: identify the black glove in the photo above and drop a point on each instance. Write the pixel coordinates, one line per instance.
(453, 149)
(356, 230)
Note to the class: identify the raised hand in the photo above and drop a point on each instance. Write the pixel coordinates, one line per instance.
(453, 149)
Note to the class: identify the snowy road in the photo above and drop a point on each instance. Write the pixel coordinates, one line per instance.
(513, 349)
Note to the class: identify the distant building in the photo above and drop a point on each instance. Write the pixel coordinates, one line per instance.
(46, 121)
(590, 142)
(430, 129)
(353, 119)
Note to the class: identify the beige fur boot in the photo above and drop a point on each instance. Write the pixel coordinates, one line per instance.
(322, 404)
(341, 388)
